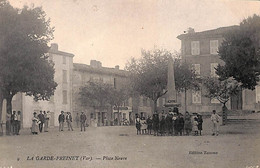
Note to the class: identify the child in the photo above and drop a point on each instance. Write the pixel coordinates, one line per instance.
(195, 126)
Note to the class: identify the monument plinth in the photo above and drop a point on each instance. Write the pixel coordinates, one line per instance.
(171, 91)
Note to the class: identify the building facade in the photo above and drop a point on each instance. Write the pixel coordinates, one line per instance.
(62, 99)
(201, 50)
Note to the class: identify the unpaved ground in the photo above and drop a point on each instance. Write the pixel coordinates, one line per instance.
(238, 145)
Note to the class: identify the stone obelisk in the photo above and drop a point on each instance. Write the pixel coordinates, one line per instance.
(171, 91)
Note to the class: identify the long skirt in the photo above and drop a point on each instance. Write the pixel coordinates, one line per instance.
(35, 127)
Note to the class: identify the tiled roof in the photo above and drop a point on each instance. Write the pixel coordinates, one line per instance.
(101, 70)
(218, 31)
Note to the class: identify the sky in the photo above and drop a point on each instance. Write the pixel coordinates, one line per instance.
(114, 31)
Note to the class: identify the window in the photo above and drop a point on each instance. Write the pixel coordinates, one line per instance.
(64, 95)
(64, 75)
(141, 101)
(158, 102)
(196, 68)
(213, 67)
(145, 101)
(64, 59)
(196, 96)
(214, 100)
(257, 90)
(130, 102)
(213, 46)
(195, 48)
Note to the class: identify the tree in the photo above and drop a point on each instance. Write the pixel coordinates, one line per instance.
(185, 79)
(240, 51)
(24, 65)
(95, 94)
(99, 95)
(148, 75)
(221, 90)
(117, 97)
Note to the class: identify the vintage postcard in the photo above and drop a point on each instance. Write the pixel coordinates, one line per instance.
(129, 83)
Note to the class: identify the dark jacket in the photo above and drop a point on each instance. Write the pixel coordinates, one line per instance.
(200, 121)
(41, 118)
(83, 118)
(61, 118)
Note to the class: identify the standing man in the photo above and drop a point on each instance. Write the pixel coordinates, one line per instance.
(69, 120)
(18, 122)
(61, 121)
(215, 121)
(15, 123)
(42, 119)
(83, 119)
(77, 120)
(47, 117)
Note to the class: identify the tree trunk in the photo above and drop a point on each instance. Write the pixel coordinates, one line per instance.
(8, 114)
(1, 104)
(185, 100)
(224, 114)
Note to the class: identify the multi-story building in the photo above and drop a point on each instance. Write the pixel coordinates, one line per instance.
(201, 50)
(62, 99)
(118, 79)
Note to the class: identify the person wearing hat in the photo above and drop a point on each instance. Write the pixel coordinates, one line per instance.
(138, 124)
(83, 119)
(215, 121)
(200, 121)
(69, 121)
(42, 119)
(156, 123)
(61, 121)
(35, 122)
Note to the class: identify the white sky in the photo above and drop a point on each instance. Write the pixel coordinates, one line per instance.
(113, 31)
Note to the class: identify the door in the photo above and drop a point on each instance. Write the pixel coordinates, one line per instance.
(236, 101)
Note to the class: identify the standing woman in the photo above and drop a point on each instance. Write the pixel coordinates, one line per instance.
(35, 121)
(187, 123)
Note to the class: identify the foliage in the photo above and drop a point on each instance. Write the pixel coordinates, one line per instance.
(24, 66)
(221, 90)
(149, 74)
(99, 94)
(185, 77)
(95, 93)
(240, 51)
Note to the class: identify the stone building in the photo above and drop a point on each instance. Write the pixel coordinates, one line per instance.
(62, 99)
(201, 50)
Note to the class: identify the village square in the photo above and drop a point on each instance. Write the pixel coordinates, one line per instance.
(122, 89)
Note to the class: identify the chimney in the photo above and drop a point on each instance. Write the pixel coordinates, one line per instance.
(95, 64)
(117, 67)
(54, 46)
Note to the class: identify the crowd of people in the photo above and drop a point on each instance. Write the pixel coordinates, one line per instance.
(174, 123)
(15, 123)
(41, 121)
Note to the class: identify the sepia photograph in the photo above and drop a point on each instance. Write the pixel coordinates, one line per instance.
(129, 84)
